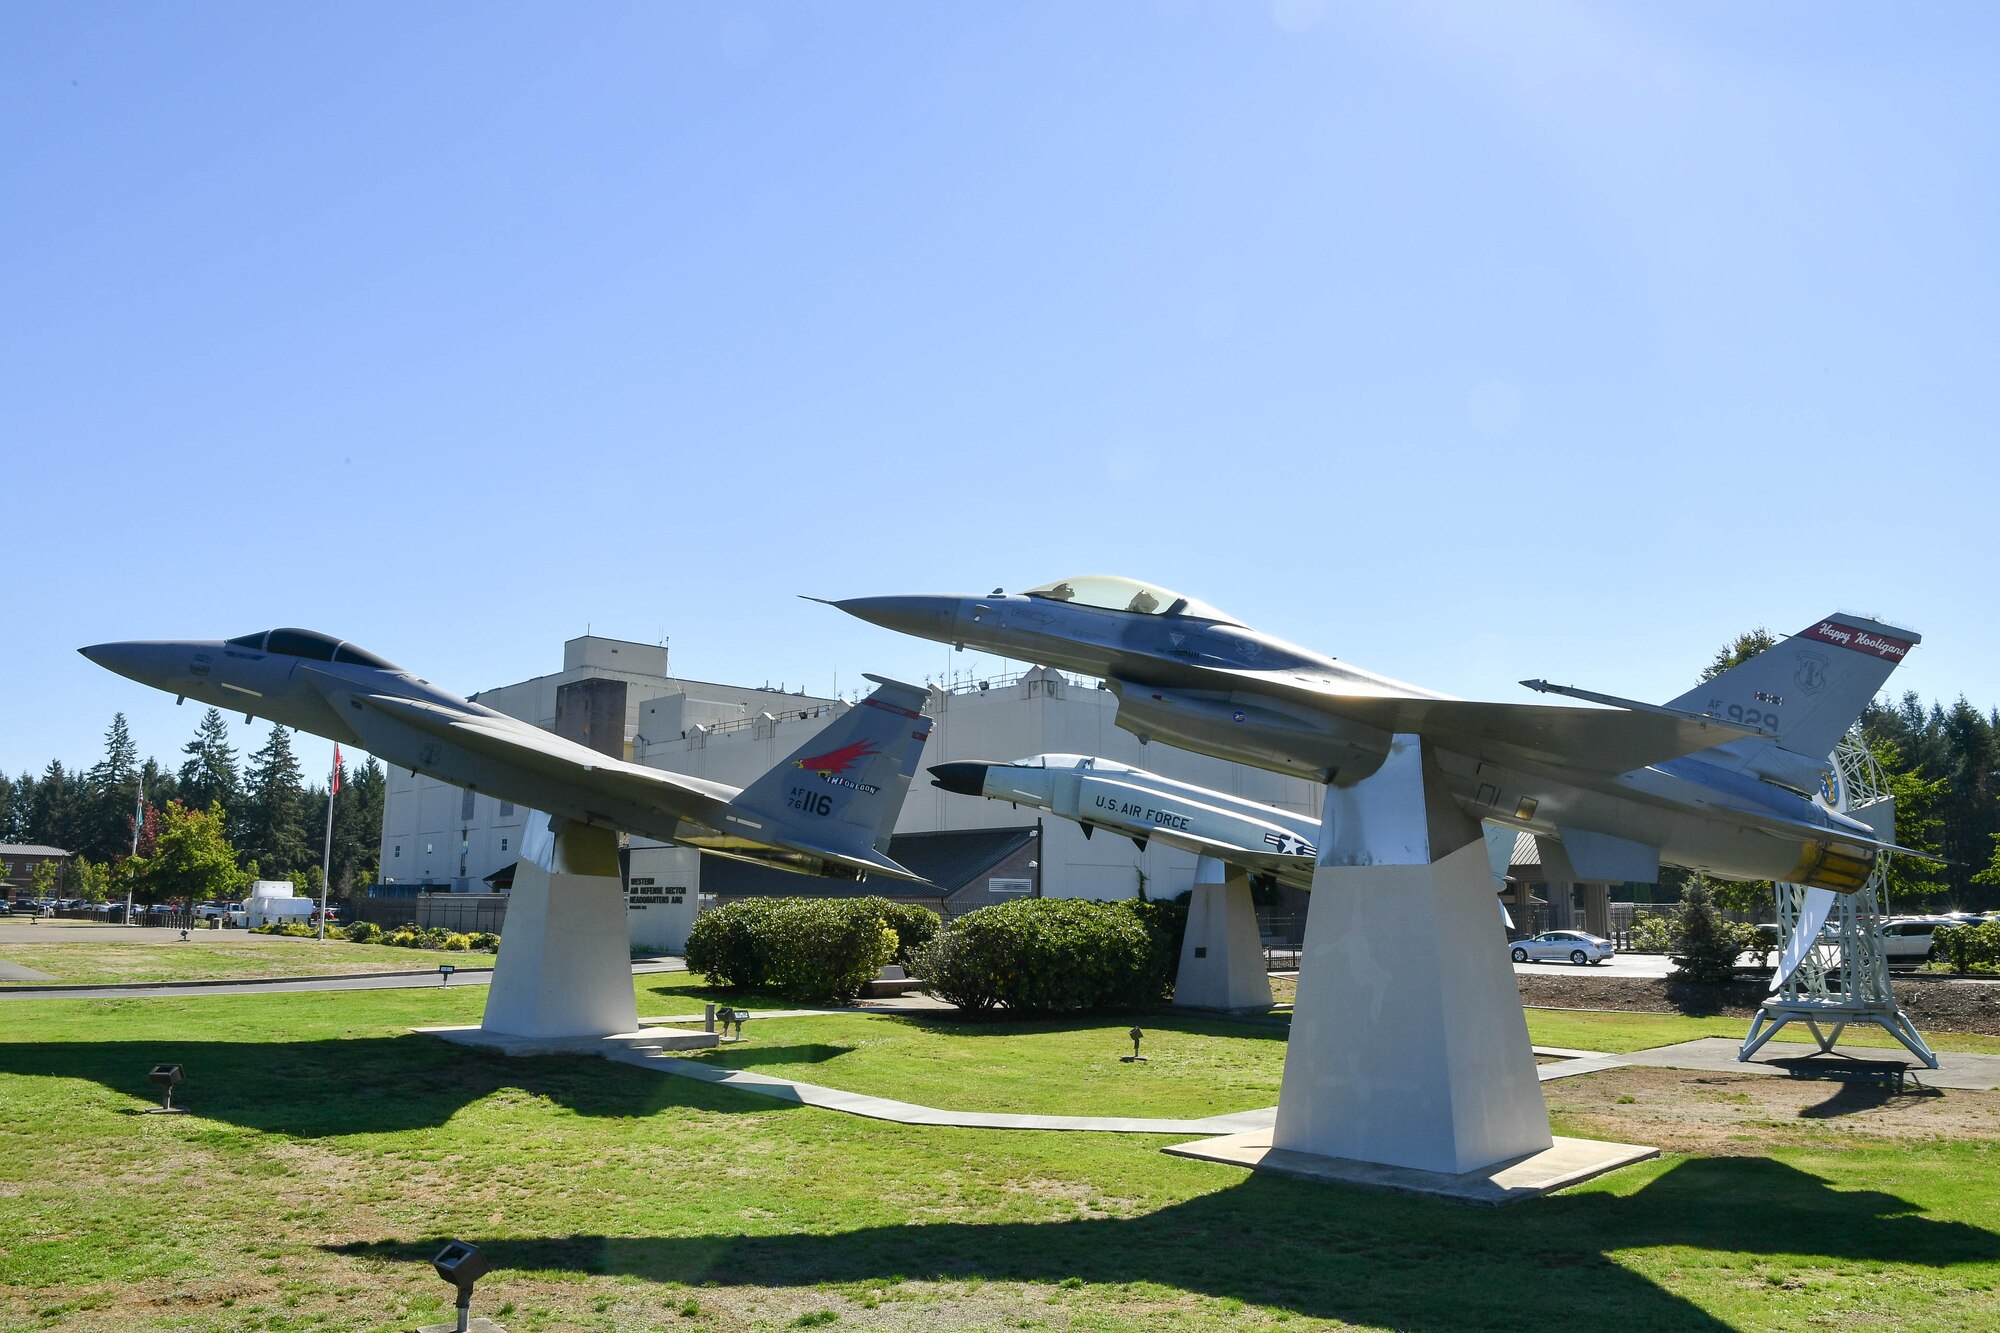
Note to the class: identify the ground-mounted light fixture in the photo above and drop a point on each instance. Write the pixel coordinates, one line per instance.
(461, 1264)
(166, 1076)
(1135, 1058)
(444, 973)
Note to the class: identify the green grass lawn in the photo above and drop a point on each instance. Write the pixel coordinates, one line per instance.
(331, 1151)
(218, 956)
(1598, 1030)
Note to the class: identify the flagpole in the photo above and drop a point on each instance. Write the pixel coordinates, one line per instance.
(138, 818)
(326, 856)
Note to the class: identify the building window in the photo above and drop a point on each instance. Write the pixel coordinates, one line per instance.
(506, 809)
(399, 851)
(503, 844)
(465, 809)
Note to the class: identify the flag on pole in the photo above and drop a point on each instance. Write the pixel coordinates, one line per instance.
(336, 768)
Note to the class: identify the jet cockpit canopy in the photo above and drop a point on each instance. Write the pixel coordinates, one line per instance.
(1089, 761)
(1113, 593)
(313, 645)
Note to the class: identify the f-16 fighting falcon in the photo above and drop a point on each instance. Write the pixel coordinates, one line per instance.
(1142, 806)
(827, 810)
(1731, 778)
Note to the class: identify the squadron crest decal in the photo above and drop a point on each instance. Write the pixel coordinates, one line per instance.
(834, 763)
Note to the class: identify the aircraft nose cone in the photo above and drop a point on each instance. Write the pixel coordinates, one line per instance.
(965, 778)
(119, 657)
(927, 617)
(147, 663)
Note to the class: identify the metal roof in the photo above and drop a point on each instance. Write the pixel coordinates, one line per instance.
(29, 849)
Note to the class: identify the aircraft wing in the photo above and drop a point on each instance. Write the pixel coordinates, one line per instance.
(546, 757)
(1597, 740)
(1297, 869)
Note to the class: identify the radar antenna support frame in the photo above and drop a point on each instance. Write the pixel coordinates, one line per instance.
(1843, 979)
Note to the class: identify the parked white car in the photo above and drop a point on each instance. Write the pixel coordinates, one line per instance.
(1908, 939)
(1554, 946)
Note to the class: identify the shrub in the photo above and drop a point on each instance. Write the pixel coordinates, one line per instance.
(1705, 945)
(456, 943)
(827, 949)
(363, 932)
(817, 949)
(1968, 948)
(915, 927)
(1046, 955)
(485, 941)
(1651, 934)
(724, 944)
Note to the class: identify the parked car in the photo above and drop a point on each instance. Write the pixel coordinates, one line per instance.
(1909, 939)
(1553, 946)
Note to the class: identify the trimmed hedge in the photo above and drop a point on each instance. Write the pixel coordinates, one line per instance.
(816, 949)
(1057, 955)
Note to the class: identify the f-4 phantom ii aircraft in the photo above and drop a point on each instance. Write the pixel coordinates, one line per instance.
(1731, 778)
(827, 810)
(1105, 794)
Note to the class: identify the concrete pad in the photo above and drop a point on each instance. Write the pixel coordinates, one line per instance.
(646, 1039)
(471, 1326)
(1956, 1069)
(15, 972)
(1567, 1162)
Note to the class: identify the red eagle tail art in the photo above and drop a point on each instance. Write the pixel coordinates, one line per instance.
(838, 761)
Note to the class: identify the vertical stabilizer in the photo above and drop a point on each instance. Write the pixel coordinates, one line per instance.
(1808, 689)
(841, 791)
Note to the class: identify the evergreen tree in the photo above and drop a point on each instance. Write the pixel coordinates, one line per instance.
(209, 776)
(274, 814)
(364, 835)
(111, 792)
(21, 825)
(1705, 947)
(160, 785)
(7, 809)
(53, 816)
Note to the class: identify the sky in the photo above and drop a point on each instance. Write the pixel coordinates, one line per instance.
(1467, 343)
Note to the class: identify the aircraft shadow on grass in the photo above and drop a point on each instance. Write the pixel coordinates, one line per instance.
(361, 1085)
(1323, 1251)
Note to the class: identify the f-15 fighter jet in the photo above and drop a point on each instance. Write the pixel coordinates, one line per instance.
(827, 810)
(1732, 778)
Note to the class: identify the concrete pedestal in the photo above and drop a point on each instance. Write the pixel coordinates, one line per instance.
(1409, 1047)
(1222, 956)
(565, 965)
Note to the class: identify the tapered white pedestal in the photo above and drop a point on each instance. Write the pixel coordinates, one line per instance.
(1222, 955)
(1409, 1047)
(565, 965)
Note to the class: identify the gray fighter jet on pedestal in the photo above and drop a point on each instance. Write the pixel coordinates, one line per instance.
(826, 810)
(1732, 778)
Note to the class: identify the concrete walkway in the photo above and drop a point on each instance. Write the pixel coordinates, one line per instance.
(909, 1113)
(1569, 1063)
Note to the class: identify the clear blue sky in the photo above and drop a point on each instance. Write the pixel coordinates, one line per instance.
(1465, 342)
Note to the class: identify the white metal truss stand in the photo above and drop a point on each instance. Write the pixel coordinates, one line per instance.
(1409, 1047)
(1222, 955)
(1843, 977)
(565, 965)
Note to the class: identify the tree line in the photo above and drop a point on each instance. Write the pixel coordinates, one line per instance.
(261, 818)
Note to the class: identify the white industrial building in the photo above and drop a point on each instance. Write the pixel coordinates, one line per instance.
(440, 837)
